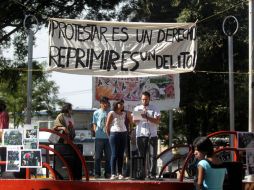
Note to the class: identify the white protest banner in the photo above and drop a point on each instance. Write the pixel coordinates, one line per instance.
(164, 90)
(121, 49)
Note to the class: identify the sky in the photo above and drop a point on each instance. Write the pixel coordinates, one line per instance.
(75, 89)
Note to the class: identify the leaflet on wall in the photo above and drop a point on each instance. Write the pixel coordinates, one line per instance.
(245, 140)
(82, 135)
(31, 158)
(250, 161)
(31, 137)
(12, 137)
(89, 149)
(13, 159)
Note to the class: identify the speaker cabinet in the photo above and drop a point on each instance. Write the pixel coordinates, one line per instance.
(72, 160)
(137, 168)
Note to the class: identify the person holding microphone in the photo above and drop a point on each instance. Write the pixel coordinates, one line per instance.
(146, 133)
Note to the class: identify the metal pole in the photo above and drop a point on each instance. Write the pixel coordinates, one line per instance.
(251, 127)
(231, 84)
(29, 77)
(170, 133)
(230, 32)
(29, 65)
(231, 90)
(170, 130)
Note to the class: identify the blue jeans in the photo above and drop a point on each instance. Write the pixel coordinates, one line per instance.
(102, 145)
(117, 143)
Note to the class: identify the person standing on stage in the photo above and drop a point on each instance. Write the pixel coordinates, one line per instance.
(101, 138)
(146, 133)
(64, 122)
(117, 132)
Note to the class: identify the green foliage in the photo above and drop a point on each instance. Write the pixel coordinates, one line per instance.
(13, 74)
(13, 89)
(204, 95)
(204, 102)
(13, 13)
(164, 128)
(20, 46)
(204, 106)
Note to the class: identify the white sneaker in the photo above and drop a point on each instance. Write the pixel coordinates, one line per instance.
(120, 177)
(113, 177)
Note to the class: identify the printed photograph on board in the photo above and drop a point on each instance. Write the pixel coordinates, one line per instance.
(245, 140)
(30, 144)
(31, 159)
(250, 161)
(12, 137)
(30, 133)
(82, 135)
(13, 160)
(31, 137)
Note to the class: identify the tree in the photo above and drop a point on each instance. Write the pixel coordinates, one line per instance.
(208, 95)
(13, 12)
(204, 106)
(13, 90)
(13, 73)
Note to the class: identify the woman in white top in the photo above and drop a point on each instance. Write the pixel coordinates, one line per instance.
(117, 133)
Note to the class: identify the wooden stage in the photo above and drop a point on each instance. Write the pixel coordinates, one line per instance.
(47, 184)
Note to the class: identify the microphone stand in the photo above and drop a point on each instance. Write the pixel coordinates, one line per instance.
(148, 155)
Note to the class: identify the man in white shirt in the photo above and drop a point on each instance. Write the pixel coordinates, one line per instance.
(146, 132)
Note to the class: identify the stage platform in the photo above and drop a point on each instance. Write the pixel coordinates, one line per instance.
(47, 184)
(52, 182)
